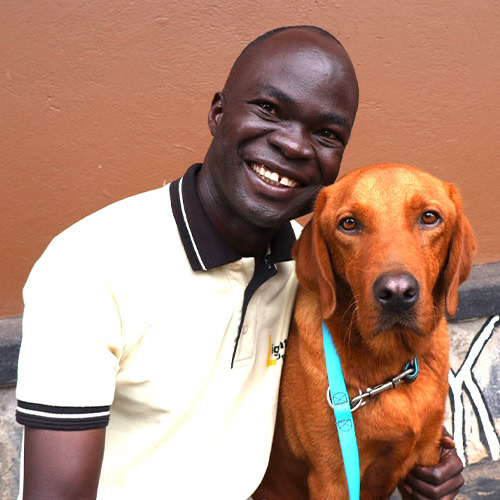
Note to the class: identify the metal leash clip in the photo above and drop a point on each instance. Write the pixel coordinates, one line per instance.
(409, 374)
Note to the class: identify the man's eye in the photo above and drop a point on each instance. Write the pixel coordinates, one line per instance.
(267, 107)
(330, 136)
(327, 133)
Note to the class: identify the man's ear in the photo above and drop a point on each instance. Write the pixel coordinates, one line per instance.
(313, 264)
(216, 111)
(462, 248)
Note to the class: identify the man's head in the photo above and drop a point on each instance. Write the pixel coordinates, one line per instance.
(281, 124)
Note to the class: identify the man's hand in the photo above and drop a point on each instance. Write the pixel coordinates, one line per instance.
(443, 481)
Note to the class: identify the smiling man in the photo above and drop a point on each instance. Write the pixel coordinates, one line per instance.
(280, 128)
(166, 315)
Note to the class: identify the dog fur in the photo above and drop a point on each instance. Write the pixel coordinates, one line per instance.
(396, 234)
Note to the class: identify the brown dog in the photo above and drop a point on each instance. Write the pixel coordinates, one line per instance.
(380, 262)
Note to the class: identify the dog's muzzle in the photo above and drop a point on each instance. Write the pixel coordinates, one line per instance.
(396, 292)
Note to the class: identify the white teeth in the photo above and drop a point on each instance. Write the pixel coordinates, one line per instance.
(272, 177)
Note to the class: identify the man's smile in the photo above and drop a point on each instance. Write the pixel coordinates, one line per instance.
(272, 177)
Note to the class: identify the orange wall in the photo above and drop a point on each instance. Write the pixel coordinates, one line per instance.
(103, 99)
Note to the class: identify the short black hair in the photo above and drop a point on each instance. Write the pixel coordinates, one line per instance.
(274, 31)
(248, 49)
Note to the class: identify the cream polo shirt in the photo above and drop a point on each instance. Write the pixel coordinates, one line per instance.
(141, 314)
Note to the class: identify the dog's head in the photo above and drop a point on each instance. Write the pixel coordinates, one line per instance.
(394, 241)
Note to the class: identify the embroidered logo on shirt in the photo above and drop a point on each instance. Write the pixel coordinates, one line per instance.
(275, 352)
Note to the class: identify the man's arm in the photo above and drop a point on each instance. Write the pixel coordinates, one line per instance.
(443, 481)
(62, 465)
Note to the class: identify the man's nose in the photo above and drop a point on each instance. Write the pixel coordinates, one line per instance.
(293, 142)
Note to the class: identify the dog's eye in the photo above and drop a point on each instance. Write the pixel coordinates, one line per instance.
(349, 224)
(430, 218)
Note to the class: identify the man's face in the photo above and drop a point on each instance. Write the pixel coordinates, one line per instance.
(281, 126)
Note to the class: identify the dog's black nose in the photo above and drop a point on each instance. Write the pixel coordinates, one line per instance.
(396, 292)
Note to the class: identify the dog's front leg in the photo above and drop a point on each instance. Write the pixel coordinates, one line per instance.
(286, 475)
(322, 487)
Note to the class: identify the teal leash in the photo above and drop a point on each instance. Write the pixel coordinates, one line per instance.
(342, 409)
(338, 399)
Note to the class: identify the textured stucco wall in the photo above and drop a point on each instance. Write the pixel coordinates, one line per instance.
(100, 100)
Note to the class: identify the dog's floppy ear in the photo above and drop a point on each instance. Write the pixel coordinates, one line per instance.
(462, 248)
(313, 265)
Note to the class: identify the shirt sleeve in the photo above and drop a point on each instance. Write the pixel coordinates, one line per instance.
(71, 343)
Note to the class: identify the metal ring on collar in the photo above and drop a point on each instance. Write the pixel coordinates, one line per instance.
(411, 377)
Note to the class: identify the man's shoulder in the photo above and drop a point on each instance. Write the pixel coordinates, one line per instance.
(114, 232)
(123, 219)
(134, 209)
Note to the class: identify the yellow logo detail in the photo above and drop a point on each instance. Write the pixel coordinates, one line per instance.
(270, 361)
(275, 352)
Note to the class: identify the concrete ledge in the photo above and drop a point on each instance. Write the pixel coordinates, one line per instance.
(480, 295)
(10, 339)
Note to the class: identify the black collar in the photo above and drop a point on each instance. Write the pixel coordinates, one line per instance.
(204, 247)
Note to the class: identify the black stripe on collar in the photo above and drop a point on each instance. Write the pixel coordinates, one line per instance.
(203, 245)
